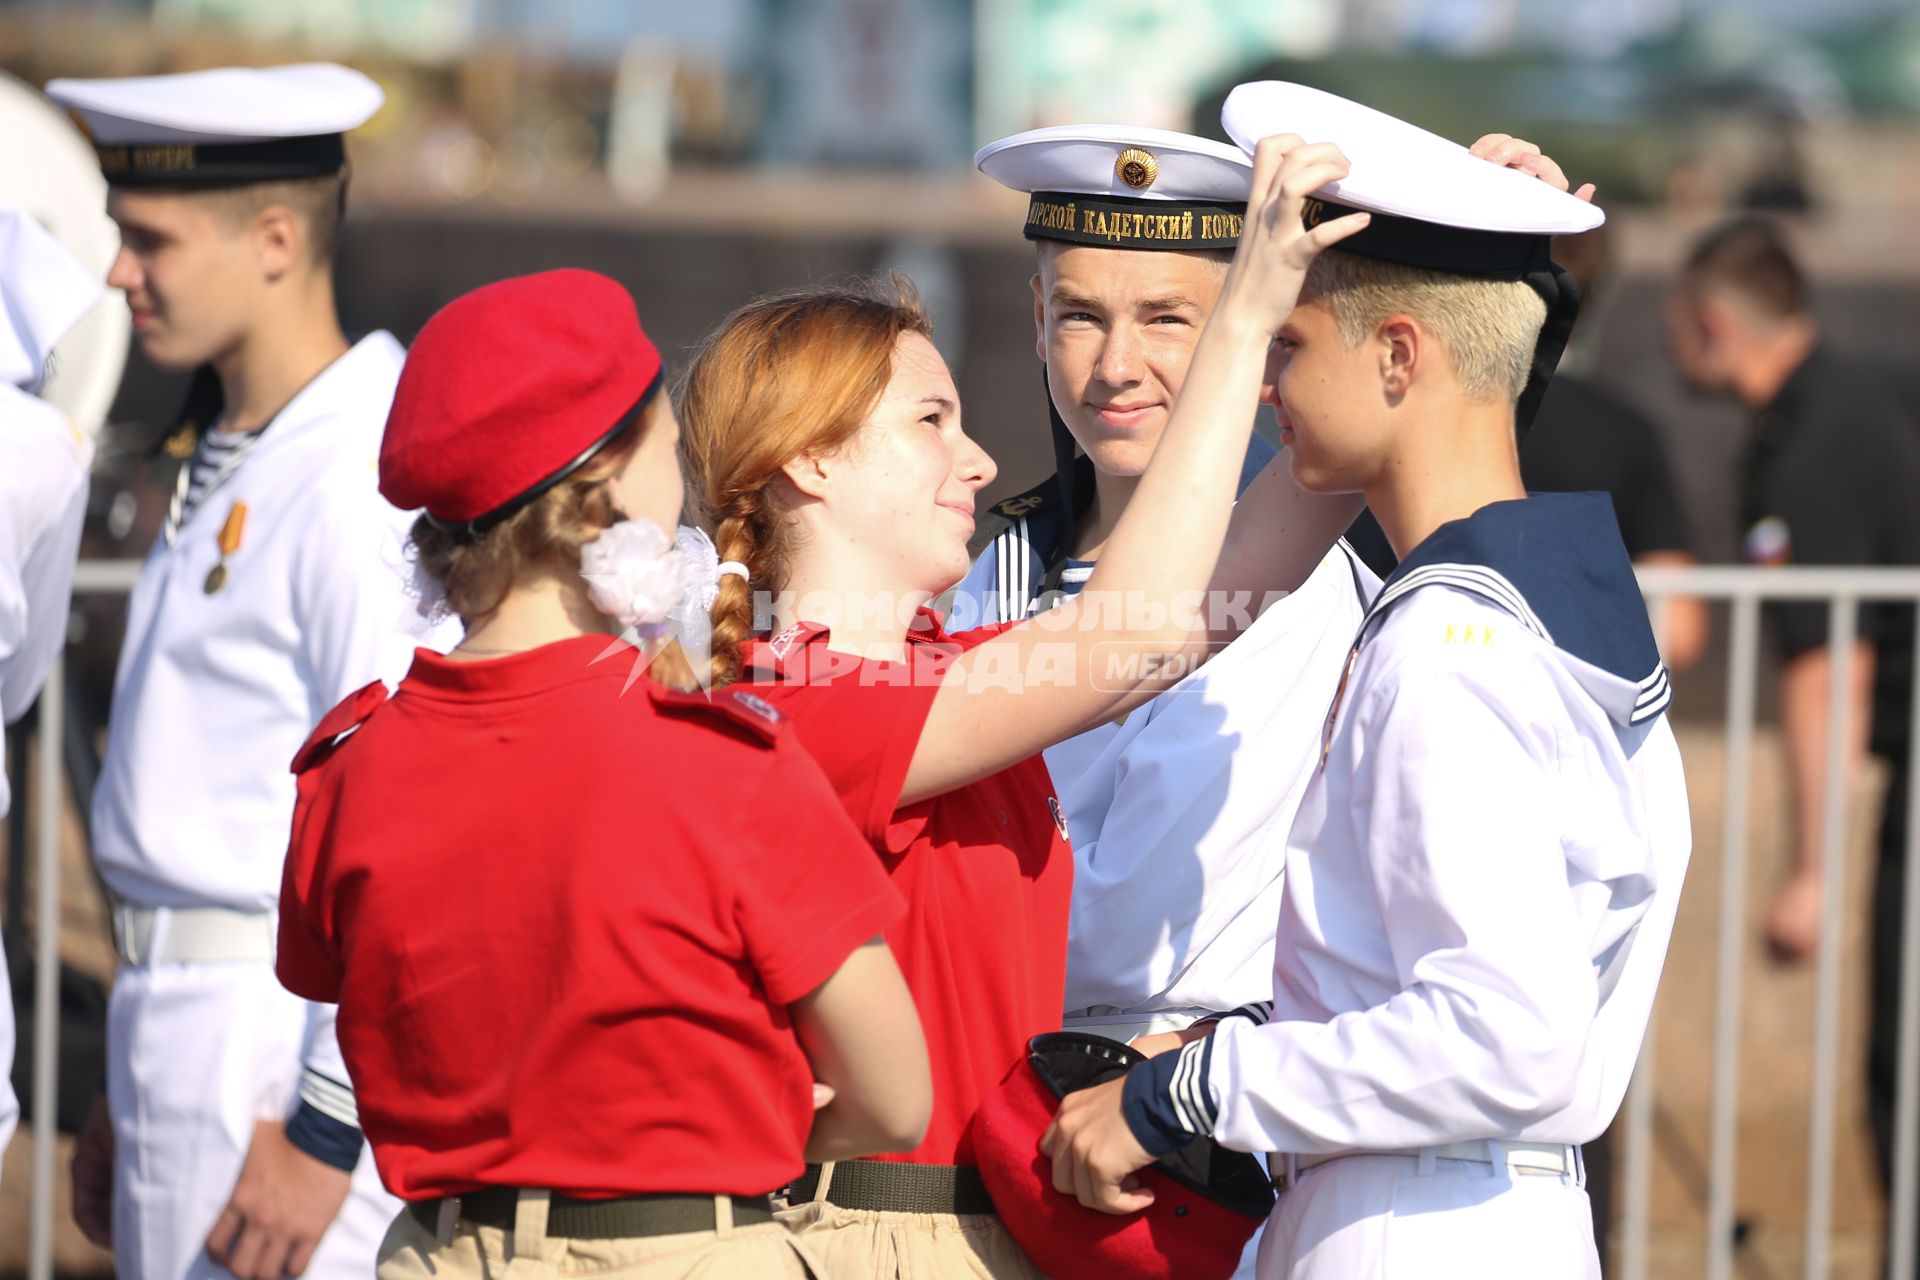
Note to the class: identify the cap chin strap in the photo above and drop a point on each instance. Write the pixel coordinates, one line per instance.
(1064, 451)
(1562, 296)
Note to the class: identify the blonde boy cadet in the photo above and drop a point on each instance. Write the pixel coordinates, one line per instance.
(1482, 877)
(44, 293)
(274, 590)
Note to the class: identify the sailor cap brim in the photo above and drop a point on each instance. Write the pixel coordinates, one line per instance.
(1084, 159)
(230, 125)
(1435, 205)
(1123, 187)
(1404, 171)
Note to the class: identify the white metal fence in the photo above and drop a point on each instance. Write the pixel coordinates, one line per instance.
(1842, 590)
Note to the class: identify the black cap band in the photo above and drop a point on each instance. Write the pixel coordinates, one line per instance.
(215, 164)
(1116, 222)
(464, 531)
(1506, 255)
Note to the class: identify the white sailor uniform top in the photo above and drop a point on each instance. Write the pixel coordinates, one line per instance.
(43, 500)
(222, 677)
(1482, 879)
(1178, 815)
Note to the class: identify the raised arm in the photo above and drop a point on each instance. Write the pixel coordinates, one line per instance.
(1136, 624)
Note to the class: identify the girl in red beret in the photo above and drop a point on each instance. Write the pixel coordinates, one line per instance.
(824, 433)
(593, 940)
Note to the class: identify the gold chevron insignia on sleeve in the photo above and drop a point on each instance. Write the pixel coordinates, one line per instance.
(1137, 168)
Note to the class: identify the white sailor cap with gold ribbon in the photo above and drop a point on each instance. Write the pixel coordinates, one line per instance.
(1434, 204)
(1124, 187)
(224, 127)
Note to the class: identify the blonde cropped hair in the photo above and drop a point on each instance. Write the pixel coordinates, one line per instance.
(1488, 327)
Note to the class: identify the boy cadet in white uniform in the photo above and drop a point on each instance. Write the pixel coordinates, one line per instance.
(1177, 815)
(276, 588)
(44, 293)
(1482, 878)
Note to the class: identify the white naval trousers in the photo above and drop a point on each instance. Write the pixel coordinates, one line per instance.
(196, 1053)
(1369, 1217)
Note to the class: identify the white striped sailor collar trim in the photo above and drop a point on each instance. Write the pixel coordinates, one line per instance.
(1556, 563)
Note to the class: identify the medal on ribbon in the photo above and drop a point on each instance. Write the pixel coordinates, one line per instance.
(231, 534)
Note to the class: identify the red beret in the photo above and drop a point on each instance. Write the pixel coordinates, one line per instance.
(508, 390)
(1207, 1201)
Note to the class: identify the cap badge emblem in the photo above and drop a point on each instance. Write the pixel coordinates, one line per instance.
(1137, 168)
(1313, 212)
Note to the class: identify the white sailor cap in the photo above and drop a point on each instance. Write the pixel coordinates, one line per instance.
(44, 293)
(1119, 186)
(224, 127)
(1434, 204)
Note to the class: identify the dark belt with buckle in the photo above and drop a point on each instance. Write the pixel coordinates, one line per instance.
(571, 1218)
(887, 1186)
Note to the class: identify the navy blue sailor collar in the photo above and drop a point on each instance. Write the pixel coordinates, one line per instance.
(1556, 563)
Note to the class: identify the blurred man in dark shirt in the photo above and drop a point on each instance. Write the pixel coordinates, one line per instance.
(1831, 476)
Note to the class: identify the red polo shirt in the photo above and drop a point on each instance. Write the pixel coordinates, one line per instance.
(985, 869)
(563, 920)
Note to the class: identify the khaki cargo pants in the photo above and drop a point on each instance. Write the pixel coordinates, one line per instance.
(764, 1251)
(863, 1244)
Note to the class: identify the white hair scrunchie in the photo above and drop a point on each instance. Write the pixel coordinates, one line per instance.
(635, 575)
(705, 568)
(691, 621)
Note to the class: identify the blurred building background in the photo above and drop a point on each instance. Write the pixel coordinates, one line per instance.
(702, 152)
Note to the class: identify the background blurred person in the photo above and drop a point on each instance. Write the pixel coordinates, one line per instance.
(227, 1141)
(43, 499)
(1829, 477)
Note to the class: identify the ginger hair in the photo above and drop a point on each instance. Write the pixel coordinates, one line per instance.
(789, 374)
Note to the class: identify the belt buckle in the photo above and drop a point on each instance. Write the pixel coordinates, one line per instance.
(448, 1219)
(122, 930)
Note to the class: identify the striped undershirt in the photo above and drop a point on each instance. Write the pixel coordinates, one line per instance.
(215, 448)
